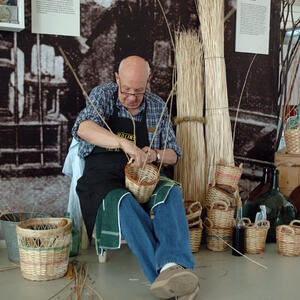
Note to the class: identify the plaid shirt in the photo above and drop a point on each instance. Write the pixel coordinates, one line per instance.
(103, 98)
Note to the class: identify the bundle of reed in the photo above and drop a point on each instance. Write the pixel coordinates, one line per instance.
(217, 128)
(191, 169)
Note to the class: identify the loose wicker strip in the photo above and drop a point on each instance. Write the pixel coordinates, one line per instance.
(215, 193)
(292, 141)
(228, 176)
(220, 214)
(215, 236)
(287, 241)
(44, 246)
(255, 236)
(141, 182)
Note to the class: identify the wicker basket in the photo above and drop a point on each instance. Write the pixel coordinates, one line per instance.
(228, 175)
(221, 214)
(196, 236)
(215, 236)
(44, 246)
(193, 210)
(287, 241)
(141, 182)
(215, 193)
(292, 141)
(256, 235)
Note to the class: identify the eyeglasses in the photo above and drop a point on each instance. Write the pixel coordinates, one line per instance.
(140, 94)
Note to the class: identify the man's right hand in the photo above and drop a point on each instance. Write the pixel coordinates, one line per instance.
(137, 154)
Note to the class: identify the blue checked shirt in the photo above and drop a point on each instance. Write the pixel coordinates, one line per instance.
(103, 98)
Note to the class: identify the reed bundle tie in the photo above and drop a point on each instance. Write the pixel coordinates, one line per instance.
(179, 120)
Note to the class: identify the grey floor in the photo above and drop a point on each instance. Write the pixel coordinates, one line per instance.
(222, 276)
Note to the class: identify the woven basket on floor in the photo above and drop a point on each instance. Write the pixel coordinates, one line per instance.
(141, 182)
(44, 246)
(215, 236)
(228, 175)
(292, 140)
(196, 236)
(221, 214)
(215, 193)
(287, 241)
(256, 235)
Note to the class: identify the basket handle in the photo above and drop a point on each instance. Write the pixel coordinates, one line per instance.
(193, 205)
(295, 221)
(220, 202)
(247, 221)
(211, 223)
(266, 223)
(292, 231)
(196, 222)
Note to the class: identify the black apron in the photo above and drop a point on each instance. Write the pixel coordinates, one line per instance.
(104, 168)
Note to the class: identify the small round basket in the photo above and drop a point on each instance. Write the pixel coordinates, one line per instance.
(193, 215)
(141, 182)
(256, 235)
(228, 175)
(44, 246)
(287, 241)
(292, 140)
(215, 236)
(215, 193)
(220, 214)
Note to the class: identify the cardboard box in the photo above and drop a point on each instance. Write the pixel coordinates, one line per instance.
(289, 171)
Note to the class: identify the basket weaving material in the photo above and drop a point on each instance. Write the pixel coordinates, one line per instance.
(228, 175)
(44, 246)
(215, 193)
(255, 236)
(215, 236)
(292, 141)
(221, 214)
(287, 241)
(141, 182)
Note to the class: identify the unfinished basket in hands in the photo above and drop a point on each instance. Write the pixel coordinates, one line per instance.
(44, 246)
(193, 215)
(256, 235)
(141, 182)
(228, 176)
(220, 213)
(215, 193)
(287, 241)
(216, 235)
(292, 141)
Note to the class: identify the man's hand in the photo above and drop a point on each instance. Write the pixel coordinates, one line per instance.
(152, 156)
(137, 154)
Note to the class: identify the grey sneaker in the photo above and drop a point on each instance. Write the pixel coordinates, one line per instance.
(174, 281)
(191, 296)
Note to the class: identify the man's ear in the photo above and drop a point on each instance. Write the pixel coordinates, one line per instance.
(117, 77)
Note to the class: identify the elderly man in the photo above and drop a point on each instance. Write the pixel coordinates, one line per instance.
(161, 244)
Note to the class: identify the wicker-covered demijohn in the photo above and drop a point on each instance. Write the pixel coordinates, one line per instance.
(44, 246)
(141, 181)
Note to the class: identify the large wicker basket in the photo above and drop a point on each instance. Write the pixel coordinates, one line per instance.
(216, 236)
(215, 193)
(44, 246)
(287, 241)
(141, 182)
(256, 235)
(221, 214)
(292, 141)
(228, 175)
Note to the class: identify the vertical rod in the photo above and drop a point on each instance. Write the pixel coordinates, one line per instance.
(16, 97)
(41, 113)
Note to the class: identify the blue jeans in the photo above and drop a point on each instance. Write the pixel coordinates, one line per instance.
(159, 241)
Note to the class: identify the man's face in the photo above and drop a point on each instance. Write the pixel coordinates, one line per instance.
(131, 90)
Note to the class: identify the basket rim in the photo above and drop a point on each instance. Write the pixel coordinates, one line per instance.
(142, 183)
(21, 229)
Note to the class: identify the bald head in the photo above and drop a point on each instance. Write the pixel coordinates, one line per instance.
(134, 64)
